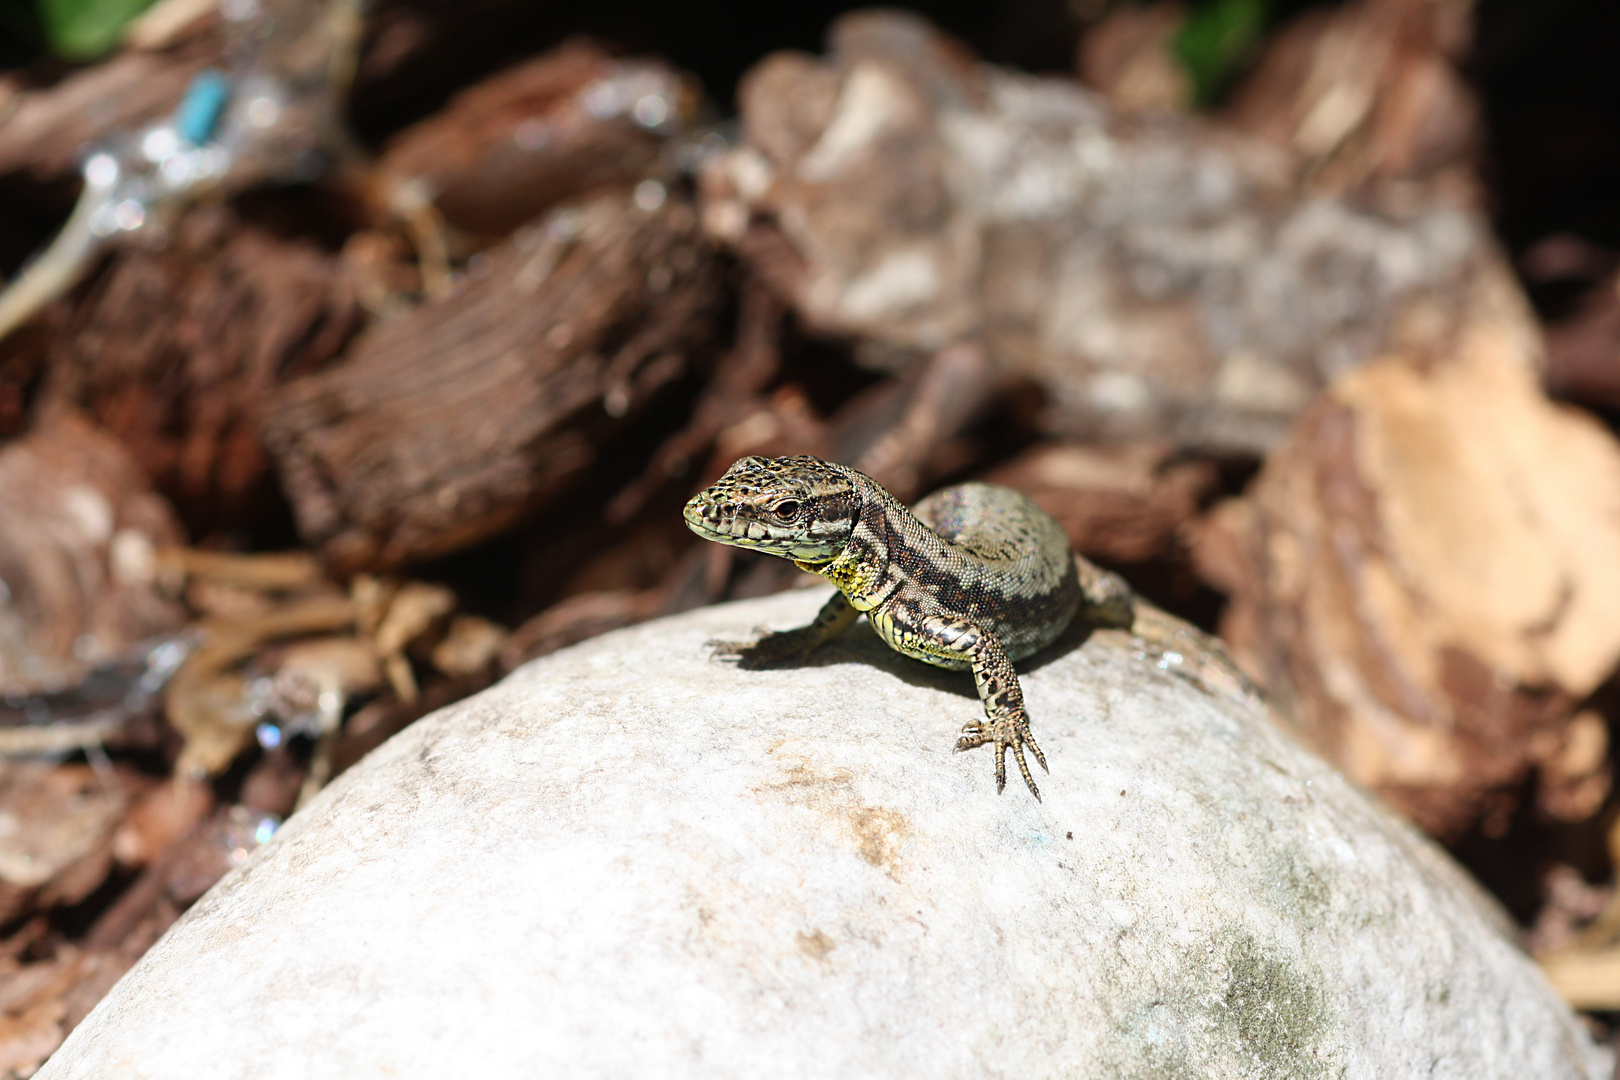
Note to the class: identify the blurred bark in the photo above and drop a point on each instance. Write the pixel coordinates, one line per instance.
(902, 438)
(735, 388)
(66, 851)
(44, 1001)
(1367, 93)
(1427, 574)
(1128, 57)
(79, 536)
(244, 312)
(553, 128)
(1158, 277)
(43, 131)
(449, 423)
(1123, 504)
(576, 619)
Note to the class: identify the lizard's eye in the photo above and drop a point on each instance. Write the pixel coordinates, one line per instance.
(786, 510)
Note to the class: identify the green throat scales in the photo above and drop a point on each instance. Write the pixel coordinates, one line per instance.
(972, 578)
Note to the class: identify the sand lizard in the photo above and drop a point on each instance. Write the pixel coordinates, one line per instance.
(973, 577)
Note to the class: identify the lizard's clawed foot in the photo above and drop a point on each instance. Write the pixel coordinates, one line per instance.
(770, 648)
(1006, 731)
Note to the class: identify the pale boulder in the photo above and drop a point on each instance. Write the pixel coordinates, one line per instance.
(630, 860)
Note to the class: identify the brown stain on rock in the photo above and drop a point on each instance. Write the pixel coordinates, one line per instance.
(815, 944)
(879, 832)
(879, 835)
(802, 776)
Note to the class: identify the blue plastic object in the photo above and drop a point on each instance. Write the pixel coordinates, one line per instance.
(200, 109)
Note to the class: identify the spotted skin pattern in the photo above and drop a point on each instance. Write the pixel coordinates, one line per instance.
(972, 578)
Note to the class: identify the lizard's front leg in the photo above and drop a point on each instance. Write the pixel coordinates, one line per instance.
(835, 616)
(1006, 723)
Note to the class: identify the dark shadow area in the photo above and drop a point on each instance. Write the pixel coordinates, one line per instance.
(1548, 72)
(861, 645)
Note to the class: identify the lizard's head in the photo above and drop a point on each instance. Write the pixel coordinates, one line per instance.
(797, 507)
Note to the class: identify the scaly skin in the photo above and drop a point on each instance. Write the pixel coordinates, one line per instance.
(973, 578)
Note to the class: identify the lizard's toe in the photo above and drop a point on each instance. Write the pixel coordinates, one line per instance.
(728, 650)
(1029, 741)
(1005, 732)
(972, 735)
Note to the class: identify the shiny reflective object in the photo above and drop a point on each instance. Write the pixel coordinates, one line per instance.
(200, 109)
(270, 116)
(244, 830)
(79, 717)
(649, 195)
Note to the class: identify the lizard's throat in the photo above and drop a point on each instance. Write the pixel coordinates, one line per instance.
(860, 571)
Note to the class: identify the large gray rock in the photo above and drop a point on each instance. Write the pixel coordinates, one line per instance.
(629, 860)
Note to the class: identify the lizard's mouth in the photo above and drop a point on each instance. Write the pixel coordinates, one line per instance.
(712, 521)
(728, 524)
(699, 512)
(702, 517)
(738, 525)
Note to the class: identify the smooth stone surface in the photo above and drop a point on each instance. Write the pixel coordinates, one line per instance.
(630, 860)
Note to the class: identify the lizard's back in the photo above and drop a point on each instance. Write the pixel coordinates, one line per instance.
(994, 558)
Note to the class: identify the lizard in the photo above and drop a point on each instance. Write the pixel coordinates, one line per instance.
(972, 578)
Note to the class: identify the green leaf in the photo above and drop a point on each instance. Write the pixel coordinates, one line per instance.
(1215, 39)
(85, 29)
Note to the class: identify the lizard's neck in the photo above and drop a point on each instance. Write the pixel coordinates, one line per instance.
(861, 570)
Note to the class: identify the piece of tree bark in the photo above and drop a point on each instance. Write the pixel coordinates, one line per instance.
(550, 129)
(58, 846)
(1158, 276)
(735, 388)
(79, 535)
(1427, 574)
(1123, 504)
(933, 406)
(43, 131)
(46, 999)
(1367, 92)
(244, 311)
(448, 423)
(1128, 56)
